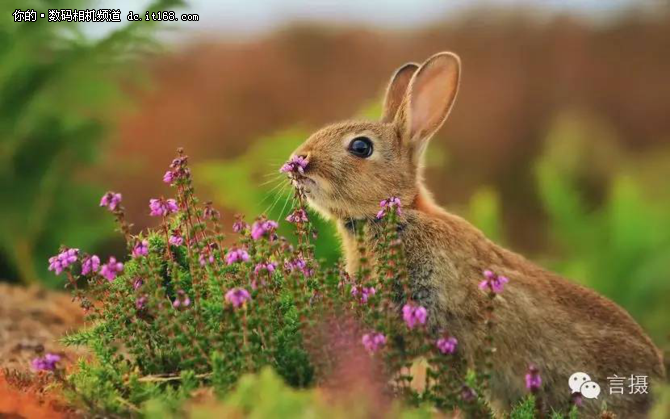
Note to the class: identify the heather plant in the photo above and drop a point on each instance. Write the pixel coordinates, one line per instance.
(190, 310)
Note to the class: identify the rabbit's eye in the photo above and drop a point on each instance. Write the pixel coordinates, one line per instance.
(361, 147)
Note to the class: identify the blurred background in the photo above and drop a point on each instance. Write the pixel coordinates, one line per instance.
(558, 146)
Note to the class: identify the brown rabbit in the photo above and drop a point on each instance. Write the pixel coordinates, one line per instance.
(543, 319)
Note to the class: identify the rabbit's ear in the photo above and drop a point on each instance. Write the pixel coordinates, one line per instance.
(430, 96)
(396, 90)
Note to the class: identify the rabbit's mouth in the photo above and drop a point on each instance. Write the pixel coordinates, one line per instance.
(306, 184)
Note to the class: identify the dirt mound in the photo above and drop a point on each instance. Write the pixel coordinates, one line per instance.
(31, 322)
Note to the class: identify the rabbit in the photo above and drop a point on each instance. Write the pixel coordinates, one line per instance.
(541, 318)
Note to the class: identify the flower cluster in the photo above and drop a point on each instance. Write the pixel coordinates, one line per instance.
(141, 249)
(178, 170)
(64, 259)
(182, 300)
(91, 264)
(387, 205)
(239, 225)
(363, 293)
(46, 363)
(414, 315)
(263, 228)
(295, 165)
(110, 269)
(533, 379)
(373, 342)
(298, 216)
(176, 238)
(162, 207)
(237, 255)
(111, 200)
(447, 345)
(268, 267)
(238, 297)
(493, 283)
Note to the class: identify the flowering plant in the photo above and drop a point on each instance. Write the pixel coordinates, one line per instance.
(189, 309)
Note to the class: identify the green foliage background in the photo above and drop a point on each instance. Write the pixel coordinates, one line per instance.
(57, 87)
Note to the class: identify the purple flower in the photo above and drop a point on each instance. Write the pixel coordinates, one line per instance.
(210, 212)
(141, 302)
(236, 255)
(373, 341)
(141, 249)
(262, 228)
(111, 200)
(46, 363)
(269, 267)
(414, 315)
(90, 264)
(239, 225)
(493, 283)
(62, 260)
(468, 394)
(533, 379)
(177, 170)
(362, 292)
(298, 216)
(176, 240)
(298, 264)
(206, 258)
(447, 345)
(182, 300)
(162, 207)
(388, 204)
(137, 283)
(296, 164)
(110, 269)
(237, 297)
(168, 177)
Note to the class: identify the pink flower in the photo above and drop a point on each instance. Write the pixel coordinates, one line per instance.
(168, 177)
(162, 207)
(388, 204)
(533, 379)
(298, 216)
(137, 283)
(176, 240)
(64, 259)
(236, 255)
(46, 363)
(373, 341)
(239, 225)
(141, 302)
(493, 283)
(262, 228)
(210, 212)
(141, 249)
(206, 258)
(111, 200)
(182, 300)
(237, 297)
(296, 164)
(414, 315)
(362, 292)
(90, 264)
(269, 267)
(447, 345)
(110, 269)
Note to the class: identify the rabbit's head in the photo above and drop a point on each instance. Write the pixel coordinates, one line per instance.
(352, 166)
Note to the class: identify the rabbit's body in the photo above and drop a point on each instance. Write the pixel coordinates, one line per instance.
(540, 317)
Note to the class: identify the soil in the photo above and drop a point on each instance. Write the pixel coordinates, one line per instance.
(32, 320)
